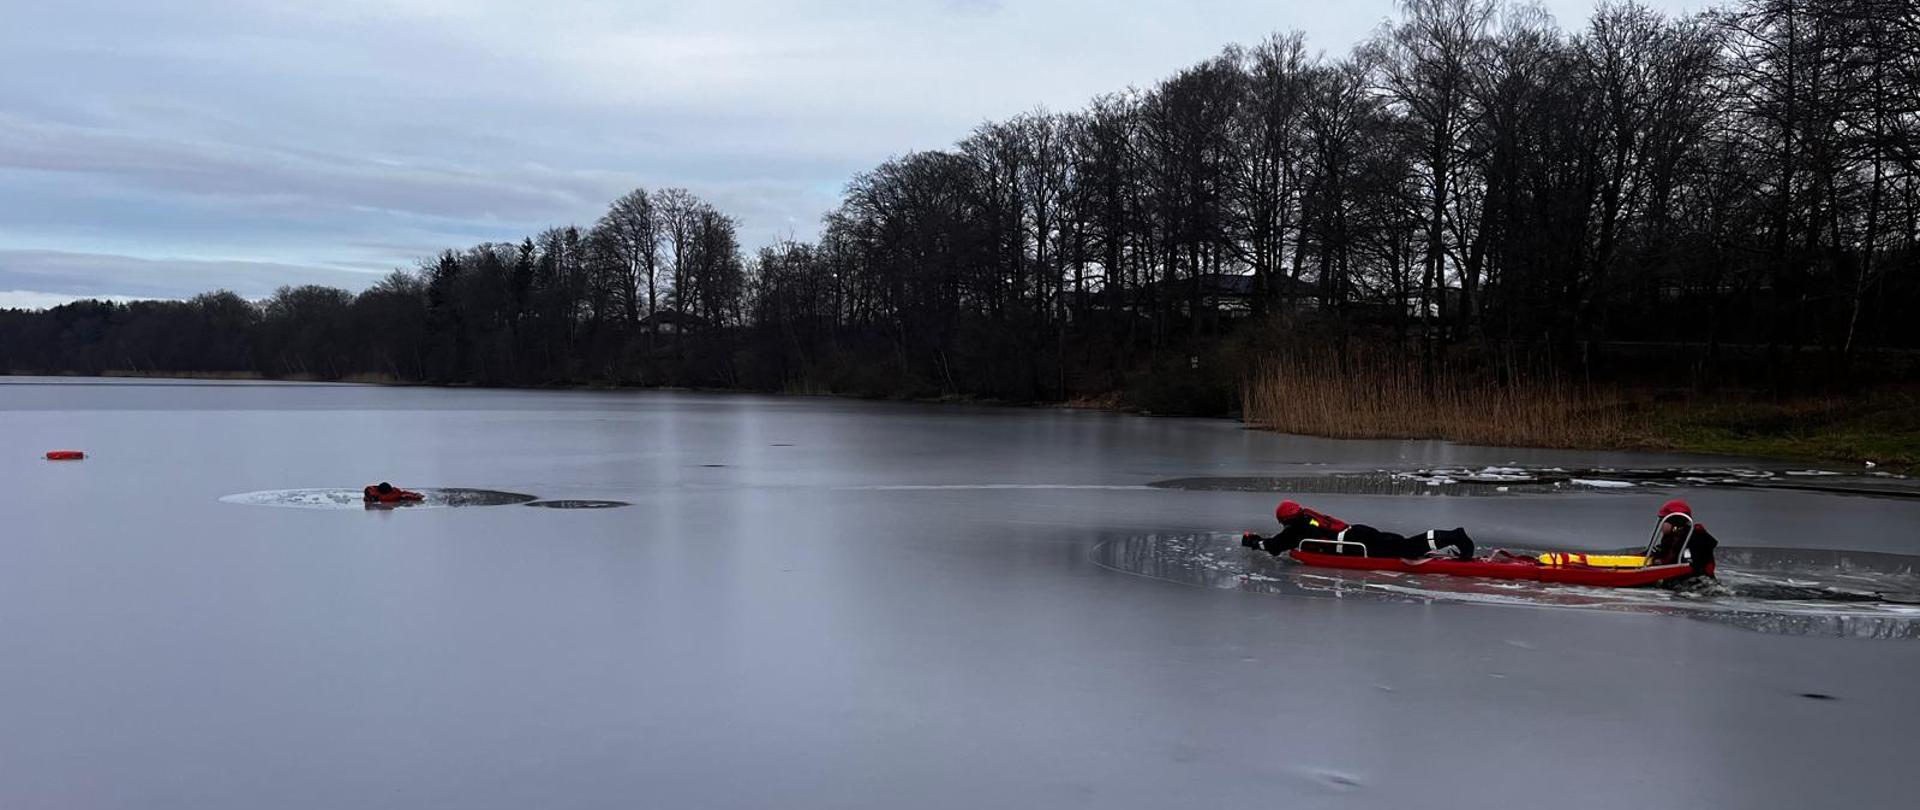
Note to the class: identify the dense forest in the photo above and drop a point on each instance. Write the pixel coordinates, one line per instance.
(1725, 199)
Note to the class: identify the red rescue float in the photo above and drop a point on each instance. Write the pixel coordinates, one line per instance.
(1510, 568)
(1598, 570)
(384, 492)
(65, 455)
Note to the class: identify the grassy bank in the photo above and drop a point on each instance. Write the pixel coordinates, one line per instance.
(1882, 427)
(1357, 395)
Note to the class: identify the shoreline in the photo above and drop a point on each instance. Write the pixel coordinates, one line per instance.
(1715, 428)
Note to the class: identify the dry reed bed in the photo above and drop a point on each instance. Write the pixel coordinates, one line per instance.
(1367, 396)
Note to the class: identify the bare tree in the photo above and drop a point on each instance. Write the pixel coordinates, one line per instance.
(632, 229)
(1426, 65)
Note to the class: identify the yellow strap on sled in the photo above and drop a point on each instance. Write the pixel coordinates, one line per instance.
(1594, 560)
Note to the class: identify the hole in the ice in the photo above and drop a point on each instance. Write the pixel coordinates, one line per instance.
(1817, 696)
(343, 498)
(713, 465)
(577, 504)
(1848, 594)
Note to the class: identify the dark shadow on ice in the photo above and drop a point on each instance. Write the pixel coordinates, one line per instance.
(436, 497)
(1521, 480)
(1787, 591)
(577, 504)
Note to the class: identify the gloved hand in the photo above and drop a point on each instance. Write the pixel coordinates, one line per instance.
(1249, 540)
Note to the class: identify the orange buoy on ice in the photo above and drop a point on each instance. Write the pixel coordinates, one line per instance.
(65, 455)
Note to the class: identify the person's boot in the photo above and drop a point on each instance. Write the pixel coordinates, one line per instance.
(1464, 543)
(1455, 541)
(1450, 544)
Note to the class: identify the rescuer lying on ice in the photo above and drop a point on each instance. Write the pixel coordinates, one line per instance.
(384, 492)
(1298, 523)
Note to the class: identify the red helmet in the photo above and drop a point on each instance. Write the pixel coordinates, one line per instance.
(1676, 507)
(1286, 511)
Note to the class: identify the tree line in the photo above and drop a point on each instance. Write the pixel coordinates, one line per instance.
(1739, 183)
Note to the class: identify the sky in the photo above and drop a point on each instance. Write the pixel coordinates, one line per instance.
(160, 150)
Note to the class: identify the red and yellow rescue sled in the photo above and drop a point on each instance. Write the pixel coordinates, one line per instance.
(1598, 570)
(1545, 568)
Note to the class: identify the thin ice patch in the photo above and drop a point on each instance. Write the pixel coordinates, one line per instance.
(436, 497)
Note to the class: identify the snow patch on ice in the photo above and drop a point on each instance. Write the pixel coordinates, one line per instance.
(1601, 483)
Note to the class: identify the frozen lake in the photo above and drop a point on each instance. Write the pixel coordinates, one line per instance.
(819, 603)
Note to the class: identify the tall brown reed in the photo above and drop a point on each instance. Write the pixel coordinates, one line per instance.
(1368, 393)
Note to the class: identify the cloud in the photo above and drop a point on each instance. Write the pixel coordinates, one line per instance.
(300, 183)
(53, 274)
(284, 139)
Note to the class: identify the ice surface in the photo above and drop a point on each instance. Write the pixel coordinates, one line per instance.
(780, 632)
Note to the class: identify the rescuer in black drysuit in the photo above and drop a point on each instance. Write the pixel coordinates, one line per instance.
(1679, 531)
(1298, 524)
